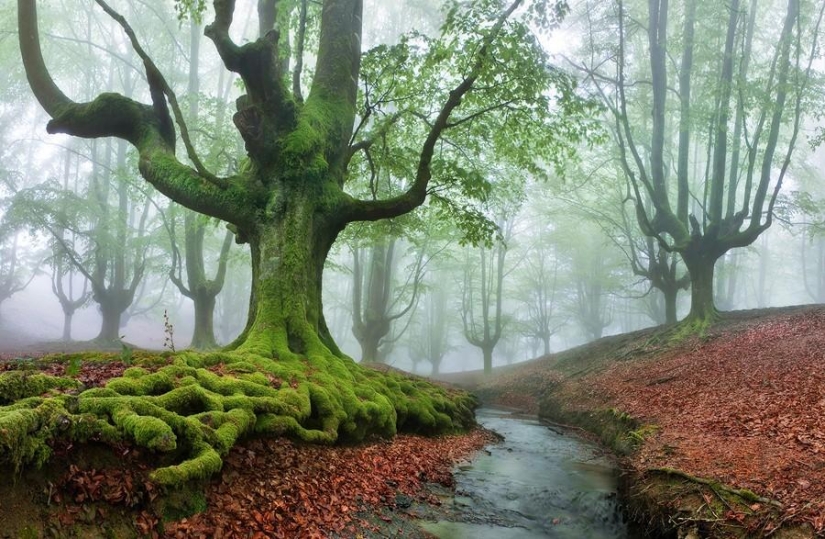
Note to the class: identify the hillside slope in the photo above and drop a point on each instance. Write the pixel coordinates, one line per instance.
(723, 434)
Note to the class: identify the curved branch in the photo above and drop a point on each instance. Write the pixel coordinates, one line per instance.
(363, 210)
(223, 262)
(147, 128)
(218, 32)
(153, 74)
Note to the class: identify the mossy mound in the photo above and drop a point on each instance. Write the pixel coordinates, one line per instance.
(197, 406)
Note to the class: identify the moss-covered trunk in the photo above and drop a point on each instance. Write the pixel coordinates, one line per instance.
(288, 255)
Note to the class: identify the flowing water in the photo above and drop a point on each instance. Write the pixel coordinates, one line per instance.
(539, 482)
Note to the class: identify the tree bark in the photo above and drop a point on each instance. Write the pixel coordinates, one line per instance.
(67, 326)
(487, 353)
(671, 295)
(701, 264)
(288, 255)
(203, 336)
(110, 311)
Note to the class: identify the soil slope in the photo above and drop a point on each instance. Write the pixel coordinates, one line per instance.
(738, 413)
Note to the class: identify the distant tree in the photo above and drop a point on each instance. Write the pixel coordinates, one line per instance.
(482, 290)
(726, 104)
(539, 289)
(196, 286)
(378, 300)
(15, 273)
(430, 335)
(70, 294)
(106, 243)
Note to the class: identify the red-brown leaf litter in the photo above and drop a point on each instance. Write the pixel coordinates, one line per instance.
(273, 488)
(277, 488)
(746, 409)
(743, 405)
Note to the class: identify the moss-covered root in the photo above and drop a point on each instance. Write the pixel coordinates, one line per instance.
(198, 407)
(16, 385)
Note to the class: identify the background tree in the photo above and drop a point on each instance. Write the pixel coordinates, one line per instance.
(713, 174)
(482, 293)
(430, 336)
(15, 273)
(378, 299)
(540, 286)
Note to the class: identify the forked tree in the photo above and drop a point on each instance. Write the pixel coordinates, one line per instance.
(290, 199)
(726, 102)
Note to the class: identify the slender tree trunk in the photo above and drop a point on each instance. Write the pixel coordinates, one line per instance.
(67, 326)
(487, 352)
(671, 296)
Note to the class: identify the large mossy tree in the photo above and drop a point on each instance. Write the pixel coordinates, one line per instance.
(290, 200)
(485, 82)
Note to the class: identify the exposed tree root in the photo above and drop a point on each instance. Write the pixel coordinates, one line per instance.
(746, 495)
(198, 406)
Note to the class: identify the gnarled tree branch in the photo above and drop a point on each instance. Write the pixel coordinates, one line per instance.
(147, 128)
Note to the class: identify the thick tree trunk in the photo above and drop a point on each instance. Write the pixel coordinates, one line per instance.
(701, 264)
(369, 348)
(203, 336)
(288, 256)
(110, 325)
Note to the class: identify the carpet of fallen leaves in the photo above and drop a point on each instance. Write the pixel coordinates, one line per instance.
(744, 408)
(272, 488)
(521, 389)
(278, 488)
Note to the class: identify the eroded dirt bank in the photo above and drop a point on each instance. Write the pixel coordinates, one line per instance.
(720, 435)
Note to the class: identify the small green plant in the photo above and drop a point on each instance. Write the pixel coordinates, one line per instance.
(125, 352)
(73, 368)
(168, 332)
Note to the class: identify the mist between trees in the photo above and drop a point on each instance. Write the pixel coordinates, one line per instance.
(469, 184)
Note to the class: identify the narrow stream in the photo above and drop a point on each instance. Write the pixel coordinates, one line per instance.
(539, 482)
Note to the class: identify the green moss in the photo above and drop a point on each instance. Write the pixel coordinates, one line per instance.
(304, 147)
(16, 385)
(196, 415)
(25, 431)
(206, 461)
(183, 502)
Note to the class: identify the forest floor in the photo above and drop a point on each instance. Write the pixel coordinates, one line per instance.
(723, 434)
(267, 487)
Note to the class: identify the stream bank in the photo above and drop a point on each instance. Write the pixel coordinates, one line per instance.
(538, 482)
(719, 434)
